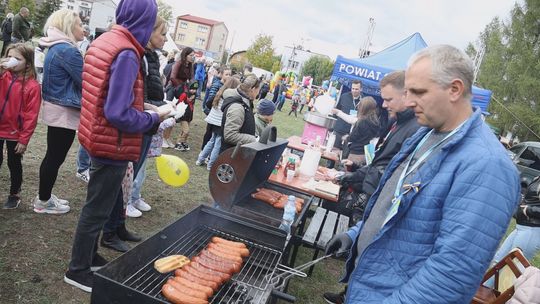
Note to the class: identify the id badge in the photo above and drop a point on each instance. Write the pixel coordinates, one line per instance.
(353, 112)
(393, 209)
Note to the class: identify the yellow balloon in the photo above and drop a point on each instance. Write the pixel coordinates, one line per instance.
(172, 170)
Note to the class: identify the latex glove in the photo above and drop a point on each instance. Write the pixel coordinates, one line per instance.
(339, 245)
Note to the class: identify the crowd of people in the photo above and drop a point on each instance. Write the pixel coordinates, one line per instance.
(437, 174)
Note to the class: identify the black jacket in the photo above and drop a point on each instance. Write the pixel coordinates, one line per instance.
(153, 79)
(6, 30)
(366, 179)
(530, 216)
(361, 134)
(345, 104)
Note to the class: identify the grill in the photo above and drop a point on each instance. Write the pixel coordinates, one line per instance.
(131, 278)
(237, 172)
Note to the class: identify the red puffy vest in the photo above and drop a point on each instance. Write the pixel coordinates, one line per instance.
(96, 134)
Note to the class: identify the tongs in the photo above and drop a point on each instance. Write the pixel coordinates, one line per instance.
(287, 272)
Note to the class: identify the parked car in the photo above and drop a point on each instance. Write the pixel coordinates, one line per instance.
(526, 156)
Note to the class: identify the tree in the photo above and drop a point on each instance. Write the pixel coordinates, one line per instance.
(15, 6)
(43, 12)
(261, 52)
(318, 67)
(165, 11)
(510, 69)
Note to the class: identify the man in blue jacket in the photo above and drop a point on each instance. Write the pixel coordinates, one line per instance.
(444, 202)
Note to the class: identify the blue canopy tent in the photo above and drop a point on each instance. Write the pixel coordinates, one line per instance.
(372, 69)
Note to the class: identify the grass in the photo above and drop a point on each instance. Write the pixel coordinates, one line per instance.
(35, 249)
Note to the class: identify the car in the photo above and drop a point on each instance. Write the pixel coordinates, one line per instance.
(526, 157)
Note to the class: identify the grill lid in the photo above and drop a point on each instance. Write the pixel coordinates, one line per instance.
(238, 171)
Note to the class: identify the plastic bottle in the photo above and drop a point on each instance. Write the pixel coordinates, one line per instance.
(289, 211)
(291, 165)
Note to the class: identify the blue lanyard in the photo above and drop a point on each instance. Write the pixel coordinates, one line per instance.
(406, 171)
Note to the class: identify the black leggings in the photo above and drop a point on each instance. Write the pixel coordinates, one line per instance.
(59, 141)
(14, 165)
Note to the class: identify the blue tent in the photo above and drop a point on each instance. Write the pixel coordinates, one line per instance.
(372, 69)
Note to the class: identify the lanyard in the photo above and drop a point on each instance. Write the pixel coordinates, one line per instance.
(355, 104)
(398, 194)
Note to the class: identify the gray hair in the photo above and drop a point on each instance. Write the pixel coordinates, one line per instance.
(9, 16)
(24, 10)
(250, 81)
(447, 64)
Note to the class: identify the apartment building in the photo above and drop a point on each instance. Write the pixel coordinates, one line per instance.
(203, 35)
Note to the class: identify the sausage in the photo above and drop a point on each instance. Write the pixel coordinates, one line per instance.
(187, 290)
(264, 198)
(215, 265)
(208, 276)
(176, 297)
(217, 254)
(233, 267)
(210, 272)
(219, 240)
(198, 278)
(243, 252)
(193, 285)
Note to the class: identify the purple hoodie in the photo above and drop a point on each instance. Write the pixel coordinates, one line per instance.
(138, 16)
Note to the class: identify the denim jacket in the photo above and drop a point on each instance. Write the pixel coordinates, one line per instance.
(62, 75)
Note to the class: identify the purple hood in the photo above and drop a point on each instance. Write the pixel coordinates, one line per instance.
(138, 16)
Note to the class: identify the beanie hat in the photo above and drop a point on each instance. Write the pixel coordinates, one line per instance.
(266, 107)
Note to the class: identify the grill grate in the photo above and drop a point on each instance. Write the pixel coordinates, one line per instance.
(247, 286)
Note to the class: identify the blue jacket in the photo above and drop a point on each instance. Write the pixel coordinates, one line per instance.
(438, 246)
(200, 72)
(62, 75)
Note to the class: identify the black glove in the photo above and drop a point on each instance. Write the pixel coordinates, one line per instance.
(339, 245)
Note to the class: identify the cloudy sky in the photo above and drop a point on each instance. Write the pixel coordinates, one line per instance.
(340, 27)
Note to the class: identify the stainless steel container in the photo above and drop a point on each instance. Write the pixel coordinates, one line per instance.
(320, 120)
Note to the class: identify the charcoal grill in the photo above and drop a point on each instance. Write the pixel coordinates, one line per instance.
(131, 278)
(237, 172)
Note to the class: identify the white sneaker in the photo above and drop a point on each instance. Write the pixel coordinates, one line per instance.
(60, 201)
(52, 206)
(132, 211)
(142, 205)
(170, 143)
(84, 176)
(199, 163)
(165, 144)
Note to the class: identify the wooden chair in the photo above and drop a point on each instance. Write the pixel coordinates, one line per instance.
(504, 273)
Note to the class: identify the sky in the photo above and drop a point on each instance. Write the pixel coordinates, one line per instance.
(340, 27)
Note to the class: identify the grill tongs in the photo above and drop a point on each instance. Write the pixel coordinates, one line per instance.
(285, 272)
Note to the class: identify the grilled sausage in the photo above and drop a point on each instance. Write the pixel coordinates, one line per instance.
(210, 272)
(198, 278)
(205, 275)
(217, 254)
(243, 252)
(194, 285)
(219, 240)
(177, 297)
(187, 290)
(216, 265)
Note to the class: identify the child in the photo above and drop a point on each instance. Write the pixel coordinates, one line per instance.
(294, 106)
(19, 111)
(265, 115)
(189, 99)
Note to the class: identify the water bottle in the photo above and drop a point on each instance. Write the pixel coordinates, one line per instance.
(288, 215)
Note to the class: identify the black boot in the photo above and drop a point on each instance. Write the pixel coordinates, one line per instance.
(125, 235)
(112, 241)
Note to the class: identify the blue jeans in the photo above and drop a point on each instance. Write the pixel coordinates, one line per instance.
(280, 102)
(212, 148)
(138, 182)
(525, 237)
(83, 160)
(199, 89)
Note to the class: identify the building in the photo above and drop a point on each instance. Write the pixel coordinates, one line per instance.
(95, 13)
(293, 58)
(84, 8)
(203, 35)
